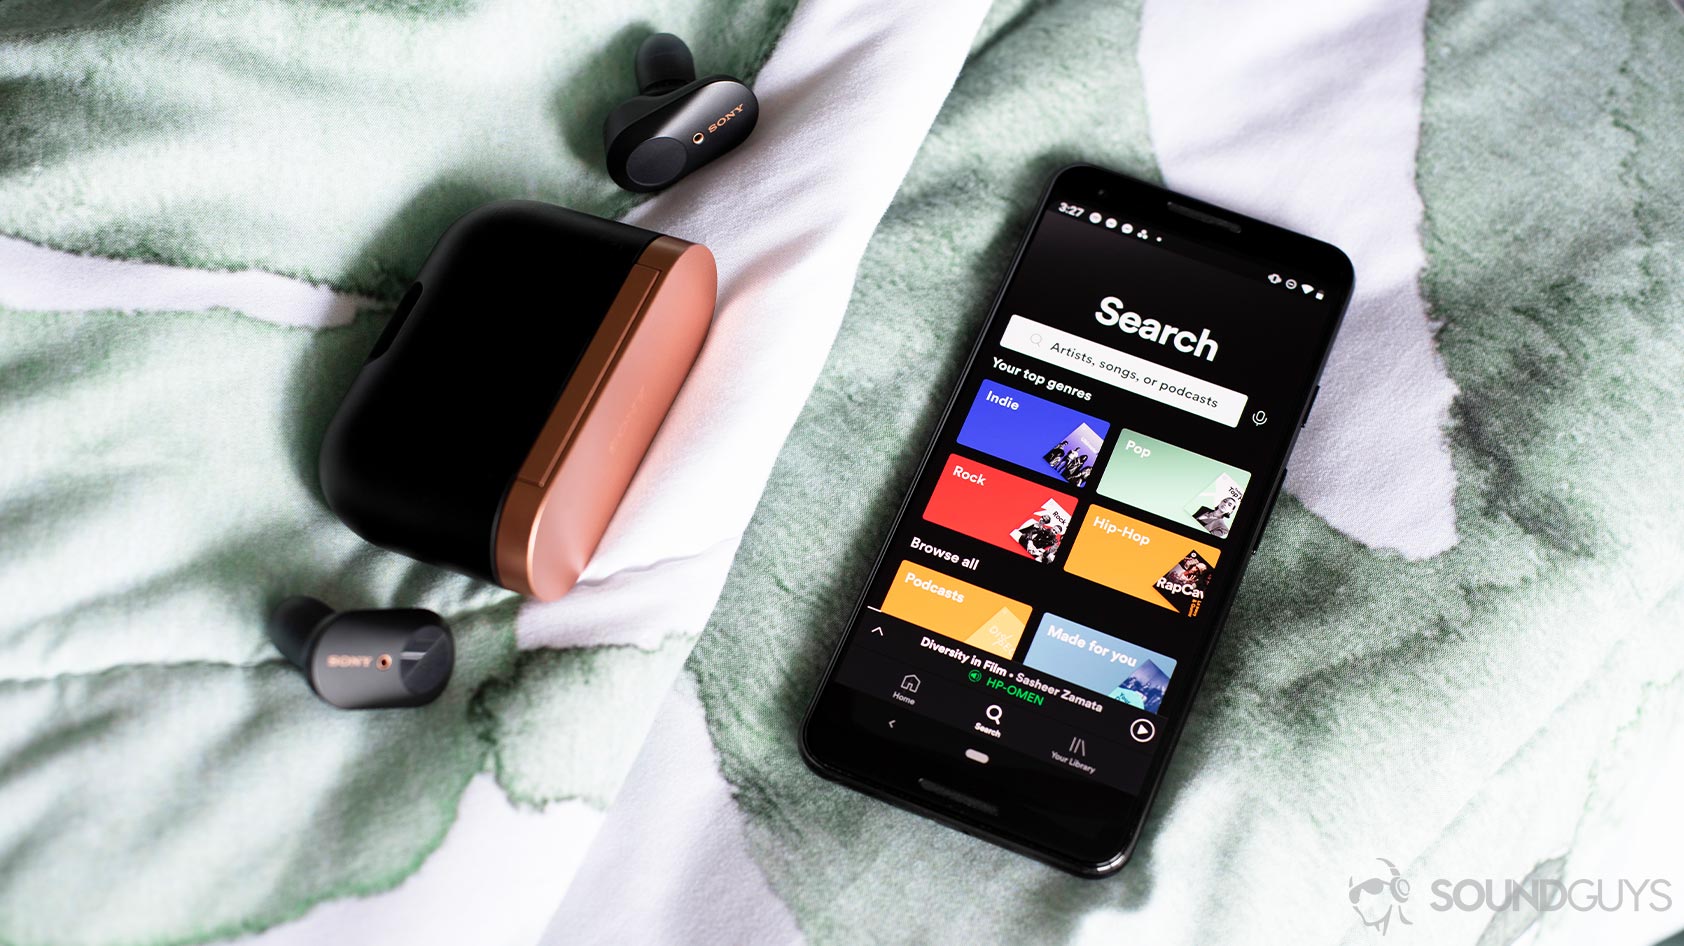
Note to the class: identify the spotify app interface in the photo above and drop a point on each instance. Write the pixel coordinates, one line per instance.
(1052, 589)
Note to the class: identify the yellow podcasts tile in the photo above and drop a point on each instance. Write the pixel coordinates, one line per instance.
(956, 609)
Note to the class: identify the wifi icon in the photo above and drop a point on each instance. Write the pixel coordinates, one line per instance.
(1307, 288)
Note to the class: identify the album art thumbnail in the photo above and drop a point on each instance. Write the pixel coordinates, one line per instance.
(1144, 688)
(1004, 510)
(1033, 432)
(1073, 458)
(1173, 482)
(1184, 585)
(1042, 532)
(1101, 662)
(1213, 509)
(1142, 560)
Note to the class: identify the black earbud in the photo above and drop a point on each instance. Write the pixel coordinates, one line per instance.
(365, 659)
(678, 122)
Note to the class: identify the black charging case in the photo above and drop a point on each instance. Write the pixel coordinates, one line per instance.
(507, 404)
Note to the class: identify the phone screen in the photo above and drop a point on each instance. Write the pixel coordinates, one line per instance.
(1026, 651)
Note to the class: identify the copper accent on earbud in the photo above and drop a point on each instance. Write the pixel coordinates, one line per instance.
(584, 458)
(385, 662)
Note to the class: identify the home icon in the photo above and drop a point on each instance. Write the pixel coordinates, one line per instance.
(909, 683)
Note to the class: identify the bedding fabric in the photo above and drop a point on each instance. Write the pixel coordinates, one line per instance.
(1458, 649)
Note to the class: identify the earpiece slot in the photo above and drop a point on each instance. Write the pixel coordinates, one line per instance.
(935, 788)
(1202, 217)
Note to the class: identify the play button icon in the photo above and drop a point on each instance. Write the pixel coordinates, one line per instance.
(1142, 730)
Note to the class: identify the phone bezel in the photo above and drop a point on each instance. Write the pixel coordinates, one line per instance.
(1224, 228)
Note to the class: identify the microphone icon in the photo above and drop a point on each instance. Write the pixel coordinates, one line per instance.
(1260, 418)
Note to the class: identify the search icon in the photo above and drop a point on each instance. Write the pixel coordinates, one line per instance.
(1035, 340)
(994, 712)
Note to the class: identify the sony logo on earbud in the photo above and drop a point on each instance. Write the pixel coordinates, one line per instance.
(349, 660)
(644, 138)
(1111, 312)
(733, 113)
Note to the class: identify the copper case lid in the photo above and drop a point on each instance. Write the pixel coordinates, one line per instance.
(581, 464)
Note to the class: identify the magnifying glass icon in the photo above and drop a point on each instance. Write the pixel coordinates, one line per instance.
(993, 713)
(1035, 340)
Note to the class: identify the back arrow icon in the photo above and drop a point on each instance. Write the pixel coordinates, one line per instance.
(891, 724)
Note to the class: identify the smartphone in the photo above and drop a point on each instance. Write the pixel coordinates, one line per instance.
(1022, 660)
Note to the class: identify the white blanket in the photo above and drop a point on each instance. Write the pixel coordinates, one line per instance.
(1306, 114)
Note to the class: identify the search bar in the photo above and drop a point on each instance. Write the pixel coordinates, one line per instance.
(1120, 369)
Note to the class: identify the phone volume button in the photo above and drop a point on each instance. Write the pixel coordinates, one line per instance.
(1268, 511)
